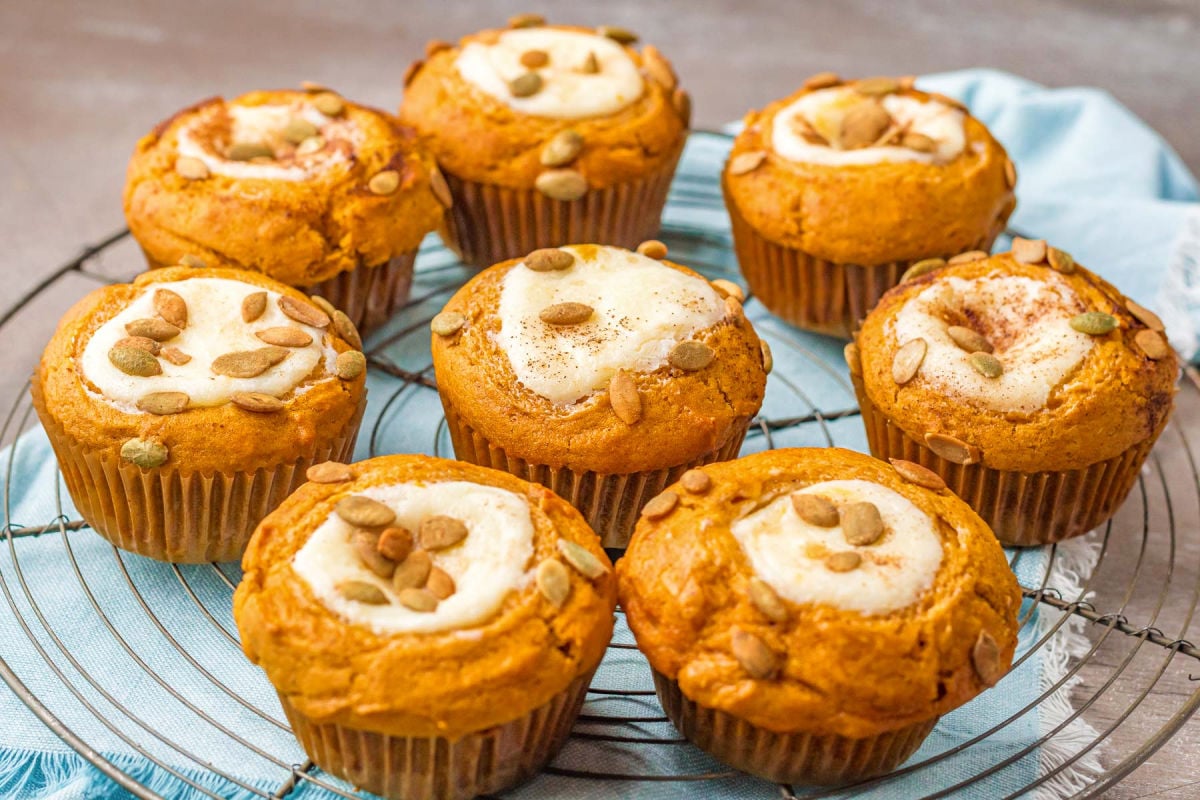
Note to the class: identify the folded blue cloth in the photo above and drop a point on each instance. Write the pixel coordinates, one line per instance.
(1093, 180)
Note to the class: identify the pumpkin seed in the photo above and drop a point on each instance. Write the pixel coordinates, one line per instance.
(969, 340)
(553, 581)
(144, 453)
(1010, 174)
(907, 360)
(526, 21)
(768, 360)
(1094, 323)
(365, 546)
(329, 472)
(581, 559)
(1060, 260)
(310, 145)
(876, 86)
(532, 59)
(163, 403)
(549, 259)
(303, 312)
(915, 473)
(624, 398)
(1152, 344)
(985, 658)
(968, 257)
(863, 124)
(695, 481)
(175, 356)
(1028, 251)
(344, 328)
(440, 189)
(764, 598)
(922, 267)
(658, 68)
(362, 592)
(843, 561)
(192, 169)
(245, 151)
(248, 363)
(952, 449)
(419, 600)
(660, 505)
(254, 305)
(349, 365)
(298, 129)
(364, 512)
(195, 262)
(1145, 316)
(440, 584)
(525, 85)
(590, 65)
(134, 361)
(384, 183)
(861, 524)
(413, 572)
(746, 162)
(142, 343)
(561, 184)
(918, 142)
(562, 149)
(395, 543)
(733, 308)
(447, 323)
(682, 101)
(322, 303)
(986, 364)
(329, 104)
(822, 80)
(565, 314)
(258, 402)
(753, 654)
(653, 248)
(171, 307)
(728, 289)
(285, 336)
(853, 359)
(617, 34)
(439, 532)
(691, 355)
(815, 510)
(157, 329)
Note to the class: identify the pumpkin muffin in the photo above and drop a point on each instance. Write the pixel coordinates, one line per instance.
(1031, 385)
(837, 190)
(306, 187)
(809, 613)
(599, 372)
(431, 626)
(548, 135)
(186, 405)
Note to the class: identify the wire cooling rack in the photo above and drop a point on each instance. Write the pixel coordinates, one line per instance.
(1139, 601)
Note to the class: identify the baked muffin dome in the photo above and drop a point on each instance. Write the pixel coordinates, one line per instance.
(837, 189)
(306, 187)
(548, 135)
(795, 639)
(654, 373)
(184, 406)
(1028, 382)
(487, 649)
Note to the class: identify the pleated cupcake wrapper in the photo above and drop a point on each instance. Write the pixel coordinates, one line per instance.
(1024, 509)
(609, 502)
(794, 758)
(489, 223)
(367, 295)
(173, 515)
(810, 292)
(435, 768)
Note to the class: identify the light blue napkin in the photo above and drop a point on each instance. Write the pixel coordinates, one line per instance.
(1092, 179)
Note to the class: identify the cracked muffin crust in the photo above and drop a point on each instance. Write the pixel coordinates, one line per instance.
(659, 370)
(809, 613)
(381, 668)
(303, 186)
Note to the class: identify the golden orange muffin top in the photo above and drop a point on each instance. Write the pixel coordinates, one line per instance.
(416, 596)
(820, 591)
(869, 172)
(1022, 361)
(599, 359)
(203, 370)
(300, 185)
(561, 108)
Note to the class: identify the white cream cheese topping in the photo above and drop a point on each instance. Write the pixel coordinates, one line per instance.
(642, 309)
(567, 92)
(494, 559)
(824, 110)
(265, 124)
(1027, 321)
(788, 553)
(214, 328)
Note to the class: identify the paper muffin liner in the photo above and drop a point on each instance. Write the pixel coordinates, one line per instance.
(609, 502)
(810, 292)
(488, 224)
(793, 758)
(173, 515)
(1024, 509)
(435, 768)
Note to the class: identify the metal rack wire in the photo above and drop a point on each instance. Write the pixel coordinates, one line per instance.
(1129, 656)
